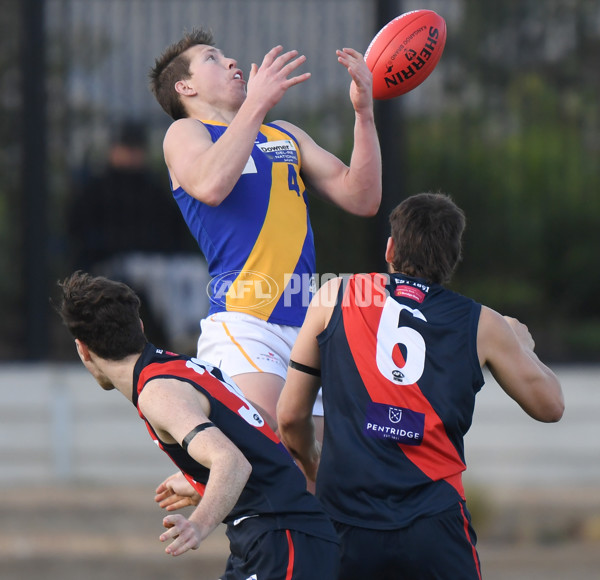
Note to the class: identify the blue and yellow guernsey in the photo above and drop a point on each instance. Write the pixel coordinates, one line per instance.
(258, 242)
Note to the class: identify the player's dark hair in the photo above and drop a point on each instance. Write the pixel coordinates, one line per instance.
(173, 66)
(427, 231)
(103, 314)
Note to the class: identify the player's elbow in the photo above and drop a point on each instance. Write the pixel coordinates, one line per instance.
(363, 208)
(369, 211)
(241, 467)
(211, 193)
(550, 410)
(554, 411)
(369, 206)
(287, 423)
(212, 198)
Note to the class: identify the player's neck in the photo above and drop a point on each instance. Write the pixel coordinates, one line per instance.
(206, 112)
(120, 373)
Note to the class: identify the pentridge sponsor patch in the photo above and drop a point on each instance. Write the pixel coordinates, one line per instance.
(395, 423)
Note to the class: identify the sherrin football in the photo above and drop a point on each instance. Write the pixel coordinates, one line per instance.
(405, 52)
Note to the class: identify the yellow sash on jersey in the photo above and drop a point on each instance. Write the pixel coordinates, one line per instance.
(278, 247)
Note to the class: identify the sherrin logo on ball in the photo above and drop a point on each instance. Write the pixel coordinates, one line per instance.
(405, 52)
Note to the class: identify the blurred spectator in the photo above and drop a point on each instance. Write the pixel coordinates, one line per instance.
(124, 224)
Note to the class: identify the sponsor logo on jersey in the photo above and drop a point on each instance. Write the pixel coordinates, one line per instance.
(409, 292)
(280, 151)
(394, 423)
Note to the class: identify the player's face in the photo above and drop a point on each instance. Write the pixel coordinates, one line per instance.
(91, 366)
(104, 382)
(100, 377)
(216, 77)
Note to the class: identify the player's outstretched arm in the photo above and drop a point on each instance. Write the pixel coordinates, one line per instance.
(356, 187)
(506, 346)
(174, 409)
(295, 404)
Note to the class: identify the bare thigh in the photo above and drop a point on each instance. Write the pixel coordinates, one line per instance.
(263, 389)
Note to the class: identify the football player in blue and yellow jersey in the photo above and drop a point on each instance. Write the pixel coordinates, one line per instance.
(240, 184)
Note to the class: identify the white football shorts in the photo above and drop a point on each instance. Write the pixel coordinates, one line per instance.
(240, 343)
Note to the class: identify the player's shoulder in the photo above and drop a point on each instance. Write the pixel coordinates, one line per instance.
(327, 295)
(493, 332)
(291, 129)
(490, 319)
(183, 137)
(184, 126)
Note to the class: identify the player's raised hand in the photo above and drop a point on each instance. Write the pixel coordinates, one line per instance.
(361, 87)
(269, 82)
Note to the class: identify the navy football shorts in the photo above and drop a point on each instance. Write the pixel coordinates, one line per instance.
(440, 547)
(281, 555)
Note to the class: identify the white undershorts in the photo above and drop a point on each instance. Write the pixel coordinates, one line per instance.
(240, 343)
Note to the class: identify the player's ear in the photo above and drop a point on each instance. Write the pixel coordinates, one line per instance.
(184, 88)
(390, 251)
(82, 351)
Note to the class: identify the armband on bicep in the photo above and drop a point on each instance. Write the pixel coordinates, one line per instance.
(304, 368)
(188, 438)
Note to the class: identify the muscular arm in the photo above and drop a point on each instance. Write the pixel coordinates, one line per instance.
(208, 171)
(506, 347)
(174, 408)
(355, 188)
(294, 408)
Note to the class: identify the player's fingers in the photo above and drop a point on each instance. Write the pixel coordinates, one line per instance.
(178, 503)
(170, 522)
(350, 53)
(170, 500)
(272, 55)
(297, 80)
(285, 58)
(171, 534)
(253, 69)
(164, 491)
(184, 539)
(291, 66)
(164, 485)
(179, 546)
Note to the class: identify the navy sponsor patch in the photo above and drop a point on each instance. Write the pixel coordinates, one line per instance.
(396, 423)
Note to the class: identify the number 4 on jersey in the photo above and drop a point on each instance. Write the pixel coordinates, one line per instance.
(293, 179)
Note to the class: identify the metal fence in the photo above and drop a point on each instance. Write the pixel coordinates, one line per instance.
(84, 69)
(71, 70)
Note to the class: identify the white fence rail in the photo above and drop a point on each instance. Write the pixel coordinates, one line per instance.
(57, 425)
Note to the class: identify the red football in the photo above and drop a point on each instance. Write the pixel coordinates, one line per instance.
(405, 52)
